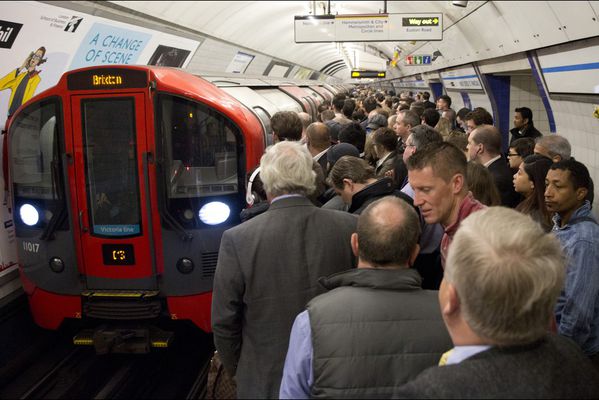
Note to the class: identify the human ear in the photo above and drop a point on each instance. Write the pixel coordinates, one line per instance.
(581, 193)
(354, 243)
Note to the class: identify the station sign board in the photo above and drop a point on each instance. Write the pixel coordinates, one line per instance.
(410, 84)
(368, 28)
(464, 78)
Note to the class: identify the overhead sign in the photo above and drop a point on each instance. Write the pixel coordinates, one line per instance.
(368, 28)
(368, 74)
(461, 78)
(418, 59)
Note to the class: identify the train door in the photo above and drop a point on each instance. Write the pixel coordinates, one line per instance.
(112, 201)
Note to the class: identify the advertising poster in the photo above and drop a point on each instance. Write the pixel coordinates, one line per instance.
(39, 42)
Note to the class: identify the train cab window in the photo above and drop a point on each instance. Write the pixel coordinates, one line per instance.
(35, 165)
(111, 166)
(200, 153)
(200, 149)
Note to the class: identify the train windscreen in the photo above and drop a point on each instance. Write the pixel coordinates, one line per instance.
(111, 166)
(201, 150)
(35, 164)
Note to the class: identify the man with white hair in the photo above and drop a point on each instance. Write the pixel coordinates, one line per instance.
(555, 147)
(268, 269)
(501, 283)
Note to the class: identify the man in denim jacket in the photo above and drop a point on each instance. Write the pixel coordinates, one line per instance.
(577, 312)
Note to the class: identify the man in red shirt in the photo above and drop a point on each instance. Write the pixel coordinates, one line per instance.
(437, 173)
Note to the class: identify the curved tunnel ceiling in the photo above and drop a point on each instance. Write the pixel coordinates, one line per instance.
(267, 26)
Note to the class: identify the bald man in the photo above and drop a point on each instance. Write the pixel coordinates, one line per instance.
(354, 341)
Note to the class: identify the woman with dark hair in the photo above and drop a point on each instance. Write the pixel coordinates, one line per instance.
(529, 181)
(482, 184)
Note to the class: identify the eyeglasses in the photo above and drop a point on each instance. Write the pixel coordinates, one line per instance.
(513, 155)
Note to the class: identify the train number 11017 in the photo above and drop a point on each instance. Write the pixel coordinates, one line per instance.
(31, 247)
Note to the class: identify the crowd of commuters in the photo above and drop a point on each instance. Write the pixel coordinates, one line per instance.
(401, 249)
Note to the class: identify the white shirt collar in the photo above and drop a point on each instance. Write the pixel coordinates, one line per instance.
(491, 161)
(460, 353)
(322, 153)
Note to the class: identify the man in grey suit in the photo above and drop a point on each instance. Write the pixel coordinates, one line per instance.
(501, 283)
(268, 269)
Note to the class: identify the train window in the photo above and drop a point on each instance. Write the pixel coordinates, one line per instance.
(283, 101)
(200, 149)
(35, 164)
(110, 144)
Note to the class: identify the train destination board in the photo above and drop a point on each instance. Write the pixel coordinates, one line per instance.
(367, 28)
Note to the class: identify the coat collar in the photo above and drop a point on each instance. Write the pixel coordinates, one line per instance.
(389, 279)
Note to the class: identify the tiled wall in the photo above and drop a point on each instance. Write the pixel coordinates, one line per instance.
(575, 121)
(524, 93)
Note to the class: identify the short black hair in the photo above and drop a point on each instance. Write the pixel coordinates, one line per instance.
(525, 112)
(524, 146)
(431, 117)
(446, 98)
(353, 133)
(339, 101)
(579, 174)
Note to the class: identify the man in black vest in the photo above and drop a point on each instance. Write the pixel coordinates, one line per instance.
(502, 279)
(376, 327)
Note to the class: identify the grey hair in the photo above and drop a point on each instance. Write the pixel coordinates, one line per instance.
(508, 274)
(286, 168)
(424, 134)
(556, 145)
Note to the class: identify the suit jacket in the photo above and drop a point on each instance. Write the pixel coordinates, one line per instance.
(387, 165)
(553, 367)
(267, 271)
(503, 176)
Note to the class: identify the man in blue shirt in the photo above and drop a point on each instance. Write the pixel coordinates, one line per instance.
(376, 328)
(577, 312)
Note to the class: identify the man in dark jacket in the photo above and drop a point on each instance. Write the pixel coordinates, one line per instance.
(523, 125)
(268, 269)
(484, 147)
(354, 181)
(502, 279)
(376, 328)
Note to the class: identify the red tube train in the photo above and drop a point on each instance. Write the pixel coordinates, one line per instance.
(122, 181)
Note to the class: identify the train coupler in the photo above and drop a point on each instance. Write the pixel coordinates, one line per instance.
(127, 340)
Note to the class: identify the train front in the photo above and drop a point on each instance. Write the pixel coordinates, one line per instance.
(122, 181)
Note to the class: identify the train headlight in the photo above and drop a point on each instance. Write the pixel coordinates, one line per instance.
(56, 264)
(214, 213)
(185, 265)
(29, 215)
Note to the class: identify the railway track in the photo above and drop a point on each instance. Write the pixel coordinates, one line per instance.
(52, 367)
